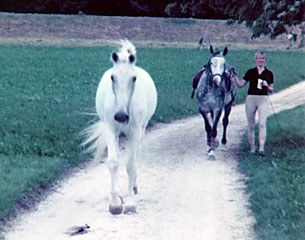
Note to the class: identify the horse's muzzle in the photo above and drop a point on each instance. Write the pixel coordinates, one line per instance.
(217, 78)
(121, 117)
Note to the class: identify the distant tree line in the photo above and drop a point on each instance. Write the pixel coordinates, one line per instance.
(154, 8)
(263, 17)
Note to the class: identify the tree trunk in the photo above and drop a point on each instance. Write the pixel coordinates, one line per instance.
(302, 41)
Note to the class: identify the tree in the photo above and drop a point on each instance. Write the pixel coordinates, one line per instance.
(266, 17)
(194, 8)
(263, 17)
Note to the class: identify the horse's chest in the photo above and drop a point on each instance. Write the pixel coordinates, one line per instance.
(210, 98)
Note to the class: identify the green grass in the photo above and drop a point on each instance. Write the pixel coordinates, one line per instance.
(21, 173)
(276, 182)
(45, 92)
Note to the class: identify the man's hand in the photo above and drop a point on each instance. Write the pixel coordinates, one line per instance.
(265, 83)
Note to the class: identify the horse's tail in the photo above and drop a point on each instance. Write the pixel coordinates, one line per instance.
(95, 141)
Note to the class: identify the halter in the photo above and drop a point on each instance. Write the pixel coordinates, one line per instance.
(211, 76)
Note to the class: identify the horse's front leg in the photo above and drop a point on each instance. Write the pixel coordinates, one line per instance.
(207, 126)
(225, 123)
(115, 204)
(135, 144)
(214, 141)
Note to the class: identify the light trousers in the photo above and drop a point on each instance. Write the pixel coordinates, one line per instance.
(257, 104)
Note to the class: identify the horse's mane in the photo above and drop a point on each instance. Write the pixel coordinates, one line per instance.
(125, 50)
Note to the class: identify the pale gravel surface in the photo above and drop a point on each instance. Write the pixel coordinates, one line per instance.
(182, 194)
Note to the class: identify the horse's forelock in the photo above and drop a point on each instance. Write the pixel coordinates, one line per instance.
(127, 52)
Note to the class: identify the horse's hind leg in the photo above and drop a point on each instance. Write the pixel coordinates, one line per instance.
(225, 123)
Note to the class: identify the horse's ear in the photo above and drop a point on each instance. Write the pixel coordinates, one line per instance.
(132, 58)
(211, 49)
(225, 51)
(115, 57)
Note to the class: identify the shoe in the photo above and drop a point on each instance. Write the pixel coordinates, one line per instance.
(261, 153)
(252, 152)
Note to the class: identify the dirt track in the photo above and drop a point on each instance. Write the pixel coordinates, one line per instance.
(182, 194)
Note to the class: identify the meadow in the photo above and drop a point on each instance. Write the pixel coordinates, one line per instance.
(47, 93)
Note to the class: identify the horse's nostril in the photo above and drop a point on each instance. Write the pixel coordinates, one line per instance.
(121, 117)
(217, 80)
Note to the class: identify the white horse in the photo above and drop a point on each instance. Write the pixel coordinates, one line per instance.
(126, 99)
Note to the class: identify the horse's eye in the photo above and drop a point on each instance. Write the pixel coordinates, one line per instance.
(134, 79)
(112, 78)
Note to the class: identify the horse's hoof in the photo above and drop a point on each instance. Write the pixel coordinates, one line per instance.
(115, 210)
(129, 209)
(211, 154)
(135, 190)
(224, 141)
(118, 208)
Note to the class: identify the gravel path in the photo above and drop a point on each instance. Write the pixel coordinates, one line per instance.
(182, 195)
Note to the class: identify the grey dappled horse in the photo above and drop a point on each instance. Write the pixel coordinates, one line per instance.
(215, 91)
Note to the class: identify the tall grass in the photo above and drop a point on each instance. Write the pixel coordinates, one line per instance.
(45, 92)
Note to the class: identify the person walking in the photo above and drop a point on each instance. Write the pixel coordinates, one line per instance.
(260, 81)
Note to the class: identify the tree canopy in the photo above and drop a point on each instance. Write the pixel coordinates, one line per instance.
(268, 17)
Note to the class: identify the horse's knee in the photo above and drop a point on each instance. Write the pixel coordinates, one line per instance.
(262, 125)
(131, 170)
(251, 127)
(113, 164)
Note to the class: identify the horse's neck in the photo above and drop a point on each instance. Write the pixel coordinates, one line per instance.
(208, 77)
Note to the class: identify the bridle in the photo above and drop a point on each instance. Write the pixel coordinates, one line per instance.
(212, 76)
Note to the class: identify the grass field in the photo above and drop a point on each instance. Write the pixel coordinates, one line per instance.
(276, 183)
(45, 92)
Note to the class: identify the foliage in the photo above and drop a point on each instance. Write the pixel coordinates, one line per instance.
(268, 17)
(263, 17)
(102, 7)
(157, 8)
(197, 9)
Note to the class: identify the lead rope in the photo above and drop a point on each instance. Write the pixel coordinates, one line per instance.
(277, 121)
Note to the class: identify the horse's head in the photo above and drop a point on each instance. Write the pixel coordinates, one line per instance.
(217, 65)
(123, 79)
